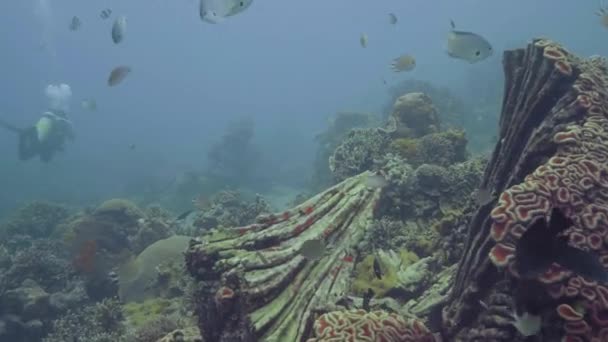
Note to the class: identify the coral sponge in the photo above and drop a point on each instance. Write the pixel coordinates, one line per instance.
(375, 326)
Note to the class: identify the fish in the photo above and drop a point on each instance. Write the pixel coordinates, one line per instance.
(89, 104)
(392, 18)
(403, 63)
(105, 14)
(132, 147)
(118, 74)
(367, 297)
(377, 269)
(542, 244)
(313, 249)
(215, 11)
(467, 46)
(483, 196)
(376, 181)
(119, 29)
(182, 215)
(75, 23)
(363, 40)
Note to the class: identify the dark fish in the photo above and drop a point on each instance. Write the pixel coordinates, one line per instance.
(541, 245)
(367, 297)
(75, 23)
(118, 74)
(184, 215)
(132, 147)
(105, 14)
(377, 269)
(119, 29)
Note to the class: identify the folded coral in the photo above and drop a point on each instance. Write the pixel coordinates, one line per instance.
(255, 285)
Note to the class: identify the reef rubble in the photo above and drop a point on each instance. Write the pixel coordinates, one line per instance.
(552, 153)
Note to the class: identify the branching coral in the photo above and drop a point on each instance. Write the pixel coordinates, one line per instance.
(375, 326)
(36, 219)
(255, 285)
(357, 152)
(102, 322)
(552, 154)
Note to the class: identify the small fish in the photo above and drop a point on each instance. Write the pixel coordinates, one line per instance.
(313, 249)
(483, 196)
(182, 215)
(392, 18)
(215, 11)
(118, 74)
(89, 104)
(363, 40)
(132, 147)
(384, 81)
(467, 46)
(119, 29)
(367, 297)
(375, 181)
(75, 23)
(403, 63)
(541, 245)
(105, 14)
(377, 269)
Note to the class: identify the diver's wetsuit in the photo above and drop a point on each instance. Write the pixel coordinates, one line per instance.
(30, 144)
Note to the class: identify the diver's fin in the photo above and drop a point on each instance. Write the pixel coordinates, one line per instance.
(29, 146)
(533, 255)
(584, 263)
(452, 25)
(10, 127)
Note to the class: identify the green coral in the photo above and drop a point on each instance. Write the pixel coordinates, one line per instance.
(365, 277)
(406, 147)
(138, 314)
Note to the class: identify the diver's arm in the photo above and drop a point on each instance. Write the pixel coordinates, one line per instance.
(10, 127)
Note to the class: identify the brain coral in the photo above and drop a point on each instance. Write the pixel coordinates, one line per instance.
(363, 326)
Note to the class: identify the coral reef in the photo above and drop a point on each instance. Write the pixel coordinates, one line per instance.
(551, 154)
(443, 148)
(35, 220)
(228, 209)
(101, 322)
(414, 115)
(254, 283)
(360, 325)
(233, 160)
(357, 152)
(451, 109)
(139, 279)
(329, 140)
(394, 266)
(190, 334)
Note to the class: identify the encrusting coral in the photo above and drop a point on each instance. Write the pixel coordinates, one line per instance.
(255, 285)
(552, 154)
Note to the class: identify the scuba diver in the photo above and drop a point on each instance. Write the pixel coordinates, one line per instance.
(45, 138)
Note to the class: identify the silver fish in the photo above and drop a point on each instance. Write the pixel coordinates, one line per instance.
(363, 40)
(467, 46)
(313, 249)
(215, 11)
(75, 23)
(119, 29)
(118, 74)
(376, 181)
(392, 18)
(89, 104)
